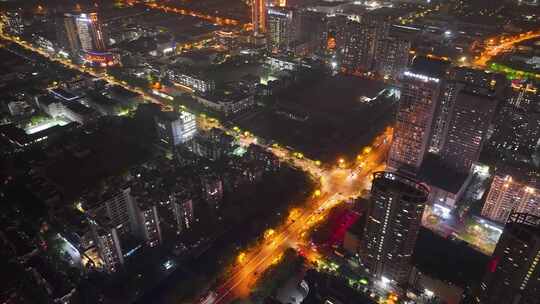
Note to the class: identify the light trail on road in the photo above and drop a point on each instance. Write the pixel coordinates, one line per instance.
(223, 21)
(338, 183)
(504, 45)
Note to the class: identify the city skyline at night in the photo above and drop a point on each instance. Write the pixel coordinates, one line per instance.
(261, 151)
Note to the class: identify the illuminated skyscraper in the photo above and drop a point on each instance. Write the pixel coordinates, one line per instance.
(394, 219)
(281, 28)
(80, 34)
(467, 99)
(258, 16)
(442, 116)
(419, 96)
(513, 274)
(361, 41)
(508, 194)
(90, 32)
(392, 56)
(470, 117)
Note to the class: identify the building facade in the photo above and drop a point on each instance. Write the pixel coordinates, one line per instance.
(192, 81)
(392, 57)
(13, 23)
(258, 16)
(107, 241)
(176, 128)
(513, 274)
(82, 36)
(183, 212)
(419, 97)
(89, 32)
(471, 115)
(281, 31)
(442, 115)
(508, 195)
(394, 219)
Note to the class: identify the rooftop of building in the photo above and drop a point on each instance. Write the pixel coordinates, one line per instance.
(20, 137)
(519, 222)
(168, 116)
(123, 92)
(431, 67)
(449, 261)
(47, 100)
(141, 45)
(228, 94)
(111, 187)
(79, 108)
(100, 98)
(482, 99)
(435, 173)
(199, 59)
(63, 94)
(389, 181)
(520, 175)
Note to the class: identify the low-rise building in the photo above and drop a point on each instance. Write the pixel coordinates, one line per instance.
(194, 81)
(228, 101)
(175, 128)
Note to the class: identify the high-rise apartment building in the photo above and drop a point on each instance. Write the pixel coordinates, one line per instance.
(470, 117)
(513, 274)
(465, 110)
(442, 115)
(312, 30)
(392, 56)
(353, 44)
(258, 16)
(81, 34)
(281, 30)
(117, 206)
(394, 219)
(361, 41)
(421, 88)
(508, 194)
(90, 32)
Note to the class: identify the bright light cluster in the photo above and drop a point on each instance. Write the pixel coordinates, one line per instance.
(424, 78)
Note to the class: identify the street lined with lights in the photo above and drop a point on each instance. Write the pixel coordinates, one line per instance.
(503, 45)
(336, 186)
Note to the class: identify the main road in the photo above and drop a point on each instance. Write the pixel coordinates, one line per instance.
(338, 184)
